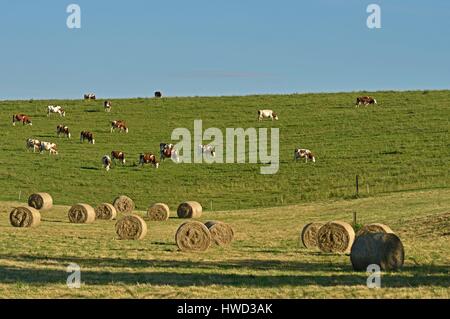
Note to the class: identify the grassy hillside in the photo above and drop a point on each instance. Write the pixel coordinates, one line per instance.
(401, 144)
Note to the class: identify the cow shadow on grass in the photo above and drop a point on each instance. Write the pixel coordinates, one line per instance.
(89, 168)
(92, 111)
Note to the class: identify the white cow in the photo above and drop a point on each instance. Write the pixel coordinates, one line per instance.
(207, 149)
(50, 147)
(106, 161)
(267, 114)
(34, 144)
(55, 109)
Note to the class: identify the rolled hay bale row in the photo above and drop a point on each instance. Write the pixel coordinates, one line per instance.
(222, 234)
(190, 209)
(383, 249)
(105, 211)
(40, 201)
(373, 229)
(193, 236)
(158, 212)
(124, 204)
(81, 214)
(309, 235)
(25, 217)
(336, 237)
(131, 227)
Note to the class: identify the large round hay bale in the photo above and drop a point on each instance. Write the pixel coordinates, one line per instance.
(373, 229)
(124, 204)
(336, 237)
(190, 210)
(309, 235)
(131, 227)
(81, 214)
(385, 250)
(193, 236)
(158, 212)
(25, 217)
(40, 201)
(105, 211)
(222, 234)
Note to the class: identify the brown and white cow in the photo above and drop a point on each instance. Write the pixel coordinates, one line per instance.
(50, 147)
(148, 158)
(304, 153)
(56, 109)
(107, 105)
(85, 135)
(168, 151)
(26, 120)
(365, 100)
(119, 125)
(63, 130)
(34, 144)
(120, 156)
(90, 96)
(267, 114)
(106, 161)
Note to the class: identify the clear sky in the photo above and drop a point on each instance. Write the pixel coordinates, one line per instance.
(227, 47)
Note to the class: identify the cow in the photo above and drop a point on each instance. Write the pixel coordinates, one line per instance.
(120, 156)
(168, 151)
(56, 109)
(63, 130)
(207, 149)
(158, 94)
(304, 153)
(107, 105)
(34, 144)
(85, 135)
(51, 147)
(148, 158)
(106, 161)
(365, 100)
(90, 96)
(267, 114)
(21, 118)
(119, 125)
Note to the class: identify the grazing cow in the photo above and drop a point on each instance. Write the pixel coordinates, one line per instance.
(64, 130)
(56, 109)
(119, 125)
(85, 135)
(21, 118)
(158, 94)
(207, 149)
(267, 114)
(168, 151)
(107, 105)
(90, 96)
(106, 161)
(303, 153)
(148, 158)
(365, 100)
(120, 156)
(51, 147)
(34, 144)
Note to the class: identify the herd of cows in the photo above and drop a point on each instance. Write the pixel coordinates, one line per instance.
(166, 150)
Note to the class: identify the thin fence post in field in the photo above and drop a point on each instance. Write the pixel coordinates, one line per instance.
(368, 188)
(357, 185)
(20, 195)
(354, 219)
(211, 205)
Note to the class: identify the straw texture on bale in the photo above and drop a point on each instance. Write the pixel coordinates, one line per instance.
(374, 228)
(124, 204)
(222, 234)
(190, 210)
(25, 217)
(40, 201)
(385, 250)
(158, 212)
(336, 237)
(309, 235)
(105, 211)
(81, 214)
(193, 236)
(131, 227)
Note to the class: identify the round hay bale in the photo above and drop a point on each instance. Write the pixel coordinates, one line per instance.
(193, 236)
(309, 235)
(383, 249)
(222, 234)
(81, 214)
(190, 210)
(105, 211)
(158, 212)
(373, 229)
(131, 227)
(25, 217)
(124, 204)
(40, 201)
(336, 237)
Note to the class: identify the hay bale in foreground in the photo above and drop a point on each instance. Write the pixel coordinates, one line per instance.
(25, 217)
(131, 227)
(40, 201)
(193, 236)
(385, 250)
(81, 214)
(124, 204)
(309, 235)
(222, 234)
(158, 212)
(373, 229)
(189, 209)
(336, 237)
(105, 211)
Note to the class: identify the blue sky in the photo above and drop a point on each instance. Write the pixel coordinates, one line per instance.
(228, 47)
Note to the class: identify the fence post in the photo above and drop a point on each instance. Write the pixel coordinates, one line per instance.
(357, 185)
